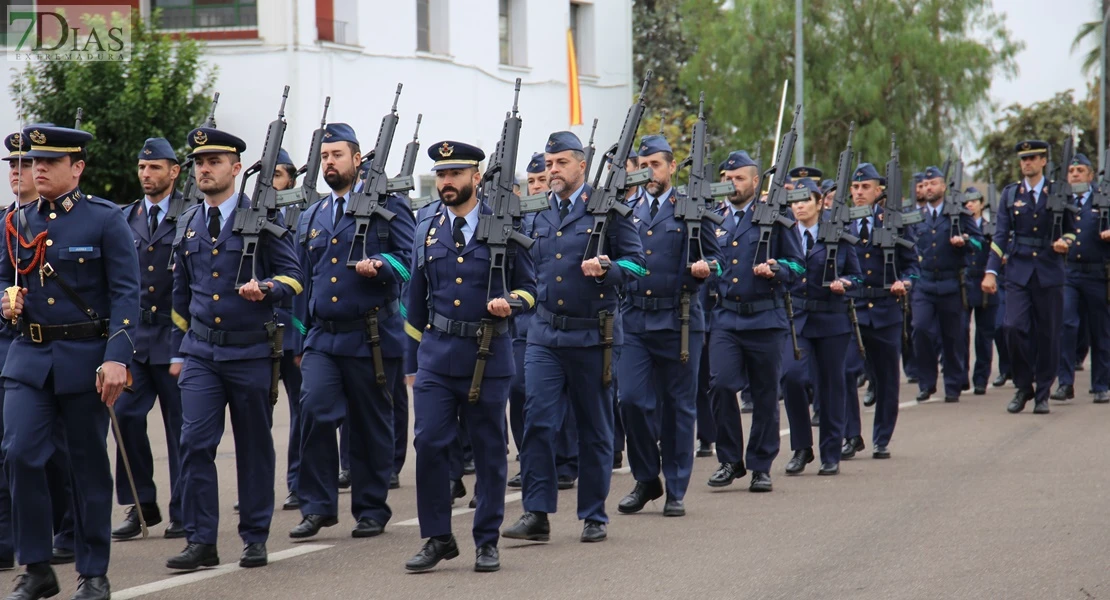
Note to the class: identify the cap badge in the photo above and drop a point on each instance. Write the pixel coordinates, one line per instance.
(446, 150)
(200, 138)
(37, 137)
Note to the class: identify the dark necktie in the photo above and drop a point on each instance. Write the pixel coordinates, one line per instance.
(154, 210)
(338, 212)
(809, 242)
(213, 222)
(564, 208)
(457, 232)
(654, 207)
(739, 215)
(864, 231)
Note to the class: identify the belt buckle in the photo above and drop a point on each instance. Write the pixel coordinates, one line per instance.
(217, 337)
(560, 322)
(36, 332)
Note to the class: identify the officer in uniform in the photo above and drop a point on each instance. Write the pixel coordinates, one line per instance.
(226, 338)
(449, 304)
(984, 307)
(748, 326)
(879, 313)
(77, 307)
(824, 331)
(343, 310)
(660, 387)
(153, 221)
(1085, 294)
(938, 306)
(1034, 278)
(805, 172)
(576, 300)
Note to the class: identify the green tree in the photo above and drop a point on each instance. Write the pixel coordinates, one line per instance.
(1051, 120)
(921, 69)
(163, 91)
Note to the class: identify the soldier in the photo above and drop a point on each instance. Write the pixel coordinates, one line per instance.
(449, 302)
(1034, 278)
(805, 172)
(343, 310)
(938, 304)
(1085, 294)
(576, 299)
(226, 338)
(748, 326)
(879, 312)
(80, 312)
(153, 220)
(984, 307)
(660, 388)
(824, 331)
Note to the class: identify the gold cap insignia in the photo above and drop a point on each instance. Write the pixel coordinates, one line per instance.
(446, 150)
(17, 139)
(37, 137)
(1026, 146)
(200, 138)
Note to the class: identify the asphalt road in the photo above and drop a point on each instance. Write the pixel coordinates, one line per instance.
(975, 503)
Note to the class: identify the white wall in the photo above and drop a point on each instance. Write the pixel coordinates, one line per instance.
(463, 96)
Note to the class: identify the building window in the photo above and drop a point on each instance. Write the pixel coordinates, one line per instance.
(337, 21)
(431, 26)
(582, 32)
(201, 14)
(423, 23)
(510, 29)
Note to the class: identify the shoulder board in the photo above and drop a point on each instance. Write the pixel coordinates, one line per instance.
(130, 204)
(100, 201)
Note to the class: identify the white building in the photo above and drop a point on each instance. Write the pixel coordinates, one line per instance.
(457, 59)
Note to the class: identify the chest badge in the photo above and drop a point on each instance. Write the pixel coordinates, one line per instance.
(636, 220)
(189, 233)
(313, 234)
(721, 232)
(428, 242)
(1019, 204)
(431, 232)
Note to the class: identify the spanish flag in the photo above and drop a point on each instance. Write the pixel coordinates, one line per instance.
(572, 81)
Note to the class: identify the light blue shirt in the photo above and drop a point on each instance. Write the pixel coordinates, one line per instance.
(666, 194)
(1083, 198)
(471, 222)
(1036, 189)
(161, 204)
(227, 209)
(802, 235)
(331, 207)
(573, 197)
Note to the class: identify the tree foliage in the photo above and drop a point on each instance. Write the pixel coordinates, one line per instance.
(163, 91)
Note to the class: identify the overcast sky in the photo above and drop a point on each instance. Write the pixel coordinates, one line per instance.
(1046, 65)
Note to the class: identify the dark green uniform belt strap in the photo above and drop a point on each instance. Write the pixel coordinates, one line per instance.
(464, 328)
(750, 308)
(650, 303)
(220, 337)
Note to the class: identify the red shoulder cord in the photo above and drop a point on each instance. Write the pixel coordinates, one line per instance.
(39, 245)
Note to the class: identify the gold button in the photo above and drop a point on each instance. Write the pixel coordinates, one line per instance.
(870, 305)
(1078, 230)
(334, 260)
(647, 252)
(186, 253)
(735, 280)
(218, 320)
(458, 280)
(934, 231)
(335, 240)
(557, 256)
(215, 252)
(1034, 255)
(646, 272)
(458, 302)
(649, 232)
(735, 244)
(49, 242)
(215, 275)
(934, 244)
(460, 259)
(50, 301)
(427, 327)
(803, 279)
(150, 248)
(153, 309)
(1034, 229)
(602, 295)
(334, 299)
(150, 268)
(558, 234)
(334, 279)
(558, 278)
(868, 255)
(560, 303)
(869, 271)
(150, 289)
(81, 261)
(1034, 215)
(53, 215)
(1079, 243)
(590, 231)
(734, 261)
(216, 297)
(649, 292)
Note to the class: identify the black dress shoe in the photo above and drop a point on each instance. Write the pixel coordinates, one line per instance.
(367, 527)
(923, 395)
(726, 473)
(869, 398)
(951, 399)
(674, 507)
(705, 449)
(394, 481)
(815, 420)
(851, 446)
(458, 490)
(594, 531)
(746, 407)
(880, 452)
(644, 492)
(965, 387)
(1040, 407)
(1063, 392)
(761, 482)
(131, 527)
(1102, 397)
(515, 482)
(487, 559)
(565, 482)
(531, 526)
(798, 462)
(62, 556)
(980, 390)
(910, 379)
(433, 552)
(292, 502)
(468, 467)
(235, 507)
(175, 530)
(38, 581)
(618, 459)
(93, 588)
(1000, 380)
(310, 525)
(193, 557)
(344, 479)
(829, 469)
(1079, 366)
(1021, 397)
(254, 555)
(473, 501)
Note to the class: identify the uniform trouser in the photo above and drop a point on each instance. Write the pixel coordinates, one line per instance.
(32, 417)
(343, 389)
(344, 444)
(517, 395)
(614, 396)
(749, 360)
(578, 372)
(291, 379)
(707, 422)
(941, 315)
(400, 423)
(883, 345)
(823, 364)
(1082, 341)
(659, 406)
(439, 402)
(985, 319)
(208, 389)
(132, 408)
(566, 448)
(1032, 321)
(1000, 345)
(1086, 297)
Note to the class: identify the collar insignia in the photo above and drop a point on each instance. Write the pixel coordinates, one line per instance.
(37, 137)
(200, 138)
(446, 150)
(67, 204)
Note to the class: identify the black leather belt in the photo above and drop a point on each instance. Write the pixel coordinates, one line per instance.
(565, 323)
(937, 275)
(356, 324)
(466, 329)
(1099, 268)
(222, 337)
(650, 303)
(39, 333)
(750, 308)
(152, 318)
(822, 306)
(1035, 242)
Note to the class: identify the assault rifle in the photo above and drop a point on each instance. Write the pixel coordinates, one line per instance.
(369, 201)
(297, 199)
(590, 149)
(770, 213)
(1100, 201)
(1060, 198)
(887, 233)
